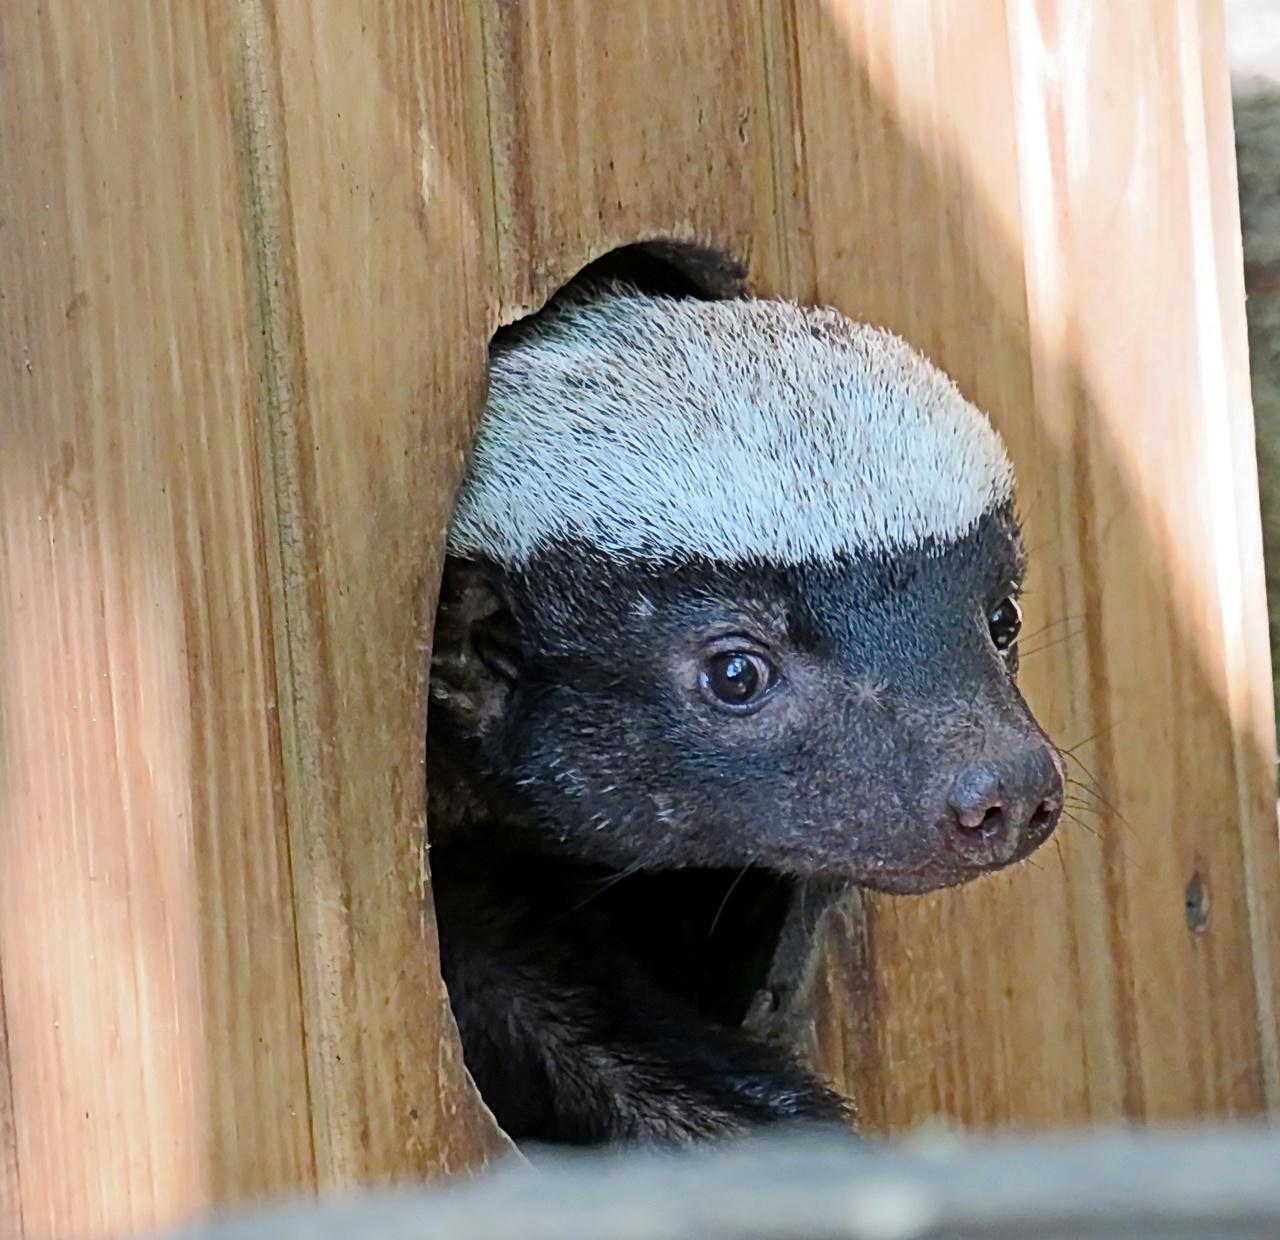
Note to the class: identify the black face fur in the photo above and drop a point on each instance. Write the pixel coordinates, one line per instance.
(892, 746)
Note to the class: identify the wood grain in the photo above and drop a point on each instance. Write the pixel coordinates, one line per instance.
(10, 1182)
(362, 210)
(146, 932)
(652, 125)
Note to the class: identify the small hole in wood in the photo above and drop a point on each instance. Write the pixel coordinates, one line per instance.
(1197, 905)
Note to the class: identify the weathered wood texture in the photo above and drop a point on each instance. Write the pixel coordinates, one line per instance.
(250, 256)
(233, 415)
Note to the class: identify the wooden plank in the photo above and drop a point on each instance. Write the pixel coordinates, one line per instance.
(135, 644)
(146, 933)
(10, 1183)
(951, 171)
(1070, 254)
(653, 124)
(367, 246)
(1143, 1186)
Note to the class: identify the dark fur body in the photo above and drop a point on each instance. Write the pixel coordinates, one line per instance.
(569, 1035)
(568, 737)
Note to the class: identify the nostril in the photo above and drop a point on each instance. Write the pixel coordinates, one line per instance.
(975, 798)
(1003, 807)
(993, 822)
(1043, 816)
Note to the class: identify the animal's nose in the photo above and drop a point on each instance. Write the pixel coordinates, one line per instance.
(1004, 807)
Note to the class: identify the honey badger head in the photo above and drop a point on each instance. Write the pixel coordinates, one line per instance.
(736, 582)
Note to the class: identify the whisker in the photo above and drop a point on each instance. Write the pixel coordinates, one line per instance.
(1093, 736)
(715, 921)
(1096, 791)
(1098, 810)
(1049, 645)
(607, 883)
(1125, 854)
(1052, 624)
(1082, 806)
(1085, 770)
(1079, 822)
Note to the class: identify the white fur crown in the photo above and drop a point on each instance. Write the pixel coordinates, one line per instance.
(656, 429)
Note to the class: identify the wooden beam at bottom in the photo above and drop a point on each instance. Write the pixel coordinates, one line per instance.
(1213, 1183)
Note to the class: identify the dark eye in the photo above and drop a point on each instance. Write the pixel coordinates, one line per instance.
(1005, 622)
(738, 678)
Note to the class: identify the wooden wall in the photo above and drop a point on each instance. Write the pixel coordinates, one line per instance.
(250, 257)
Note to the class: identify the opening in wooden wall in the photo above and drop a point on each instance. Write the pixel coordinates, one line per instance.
(727, 943)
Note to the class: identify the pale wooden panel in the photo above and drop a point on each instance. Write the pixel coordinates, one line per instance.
(215, 583)
(650, 124)
(10, 1184)
(367, 232)
(1247, 652)
(146, 932)
(1068, 248)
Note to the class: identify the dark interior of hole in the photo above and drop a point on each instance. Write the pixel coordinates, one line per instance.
(667, 267)
(708, 936)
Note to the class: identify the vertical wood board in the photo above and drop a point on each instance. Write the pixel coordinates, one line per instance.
(166, 1049)
(146, 933)
(368, 226)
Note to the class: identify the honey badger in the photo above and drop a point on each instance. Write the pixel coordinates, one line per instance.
(731, 586)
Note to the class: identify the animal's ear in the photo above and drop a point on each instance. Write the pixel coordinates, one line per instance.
(476, 652)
